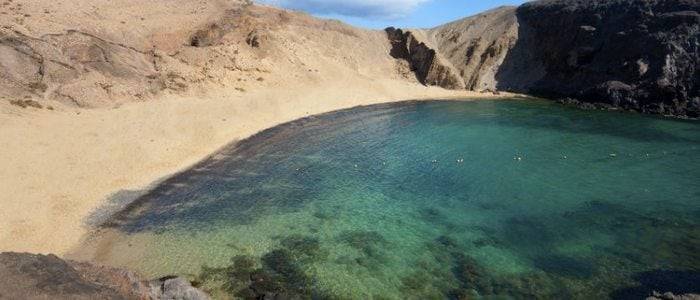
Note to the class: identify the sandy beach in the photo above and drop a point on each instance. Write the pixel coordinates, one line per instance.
(59, 167)
(135, 102)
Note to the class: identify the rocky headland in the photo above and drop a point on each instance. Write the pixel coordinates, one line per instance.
(637, 55)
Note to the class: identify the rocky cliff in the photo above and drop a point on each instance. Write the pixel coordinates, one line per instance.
(477, 45)
(461, 54)
(631, 54)
(428, 65)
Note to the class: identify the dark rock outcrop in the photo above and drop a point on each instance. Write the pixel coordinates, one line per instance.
(632, 54)
(428, 66)
(34, 276)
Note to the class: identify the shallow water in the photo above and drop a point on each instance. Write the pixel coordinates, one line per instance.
(518, 199)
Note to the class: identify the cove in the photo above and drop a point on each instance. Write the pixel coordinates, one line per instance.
(432, 200)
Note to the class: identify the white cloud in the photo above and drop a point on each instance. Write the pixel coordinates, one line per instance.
(384, 9)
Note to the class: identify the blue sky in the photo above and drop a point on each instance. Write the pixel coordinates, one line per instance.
(379, 14)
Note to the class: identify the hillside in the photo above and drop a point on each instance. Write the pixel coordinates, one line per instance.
(101, 55)
(638, 55)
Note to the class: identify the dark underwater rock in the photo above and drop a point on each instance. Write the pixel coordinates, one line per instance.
(370, 243)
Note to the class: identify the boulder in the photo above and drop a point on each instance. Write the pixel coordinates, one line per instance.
(175, 288)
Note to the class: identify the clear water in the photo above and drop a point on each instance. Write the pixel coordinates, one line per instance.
(435, 200)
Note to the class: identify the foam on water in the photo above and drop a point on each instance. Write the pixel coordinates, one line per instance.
(519, 199)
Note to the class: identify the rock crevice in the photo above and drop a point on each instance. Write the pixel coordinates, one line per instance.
(425, 62)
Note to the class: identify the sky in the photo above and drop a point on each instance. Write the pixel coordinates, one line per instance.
(379, 14)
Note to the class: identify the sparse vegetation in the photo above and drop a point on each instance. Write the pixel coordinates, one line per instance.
(27, 103)
(38, 87)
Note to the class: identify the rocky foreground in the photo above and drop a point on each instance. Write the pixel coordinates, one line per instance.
(31, 276)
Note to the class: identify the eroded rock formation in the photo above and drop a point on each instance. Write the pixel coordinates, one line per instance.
(430, 68)
(476, 46)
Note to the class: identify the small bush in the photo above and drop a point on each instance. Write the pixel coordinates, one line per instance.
(26, 103)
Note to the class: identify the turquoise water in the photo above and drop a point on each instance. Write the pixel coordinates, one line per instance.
(435, 200)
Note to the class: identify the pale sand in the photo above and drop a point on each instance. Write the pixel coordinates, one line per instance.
(58, 167)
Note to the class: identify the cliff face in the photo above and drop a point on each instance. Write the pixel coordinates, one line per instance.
(639, 54)
(462, 54)
(476, 46)
(428, 65)
(632, 54)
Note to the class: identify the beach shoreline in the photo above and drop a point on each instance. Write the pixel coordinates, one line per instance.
(64, 167)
